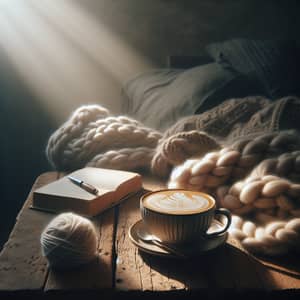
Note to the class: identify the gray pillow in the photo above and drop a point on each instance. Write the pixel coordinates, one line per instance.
(161, 97)
(273, 63)
(144, 90)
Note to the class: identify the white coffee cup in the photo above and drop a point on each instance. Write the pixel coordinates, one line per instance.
(178, 216)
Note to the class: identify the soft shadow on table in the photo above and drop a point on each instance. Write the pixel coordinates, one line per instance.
(288, 264)
(89, 276)
(224, 267)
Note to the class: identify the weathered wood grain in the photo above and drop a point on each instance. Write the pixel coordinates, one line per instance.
(282, 272)
(279, 281)
(136, 270)
(238, 266)
(228, 266)
(99, 274)
(224, 267)
(122, 267)
(22, 266)
(132, 271)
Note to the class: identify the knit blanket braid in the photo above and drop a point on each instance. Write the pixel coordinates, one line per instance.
(270, 194)
(268, 198)
(124, 159)
(177, 148)
(242, 152)
(92, 137)
(232, 162)
(276, 238)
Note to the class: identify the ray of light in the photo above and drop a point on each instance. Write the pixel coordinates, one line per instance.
(65, 56)
(26, 62)
(92, 36)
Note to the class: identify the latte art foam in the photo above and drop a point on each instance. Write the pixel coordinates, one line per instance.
(178, 202)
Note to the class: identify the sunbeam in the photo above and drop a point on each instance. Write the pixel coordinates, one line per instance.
(64, 55)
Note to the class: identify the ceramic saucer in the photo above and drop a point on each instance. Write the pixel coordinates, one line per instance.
(202, 245)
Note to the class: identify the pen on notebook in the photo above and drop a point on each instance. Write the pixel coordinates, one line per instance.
(86, 186)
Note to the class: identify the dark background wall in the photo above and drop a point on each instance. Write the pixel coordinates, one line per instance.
(162, 27)
(153, 30)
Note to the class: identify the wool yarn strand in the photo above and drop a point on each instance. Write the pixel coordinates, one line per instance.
(237, 151)
(92, 137)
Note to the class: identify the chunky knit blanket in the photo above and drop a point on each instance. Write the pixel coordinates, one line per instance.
(245, 152)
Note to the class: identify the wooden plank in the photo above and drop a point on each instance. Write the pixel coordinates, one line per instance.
(22, 266)
(282, 272)
(99, 274)
(224, 267)
(234, 268)
(96, 275)
(279, 280)
(228, 266)
(136, 270)
(287, 264)
(132, 271)
(270, 273)
(122, 266)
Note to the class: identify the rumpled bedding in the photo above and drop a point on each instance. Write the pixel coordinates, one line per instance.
(245, 152)
(229, 128)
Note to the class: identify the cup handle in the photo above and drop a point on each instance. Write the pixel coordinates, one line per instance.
(227, 214)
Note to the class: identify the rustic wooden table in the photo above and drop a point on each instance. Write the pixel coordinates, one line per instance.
(124, 270)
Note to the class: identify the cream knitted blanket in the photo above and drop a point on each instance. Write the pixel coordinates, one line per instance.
(245, 152)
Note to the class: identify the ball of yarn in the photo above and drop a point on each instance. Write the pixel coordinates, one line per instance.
(69, 241)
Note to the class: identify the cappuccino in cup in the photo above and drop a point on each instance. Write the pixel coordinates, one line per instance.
(178, 216)
(178, 202)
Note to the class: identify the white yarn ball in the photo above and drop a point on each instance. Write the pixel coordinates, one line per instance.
(68, 241)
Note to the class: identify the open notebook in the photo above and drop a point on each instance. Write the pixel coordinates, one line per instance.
(63, 195)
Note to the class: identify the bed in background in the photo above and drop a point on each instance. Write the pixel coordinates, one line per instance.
(228, 126)
(231, 69)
